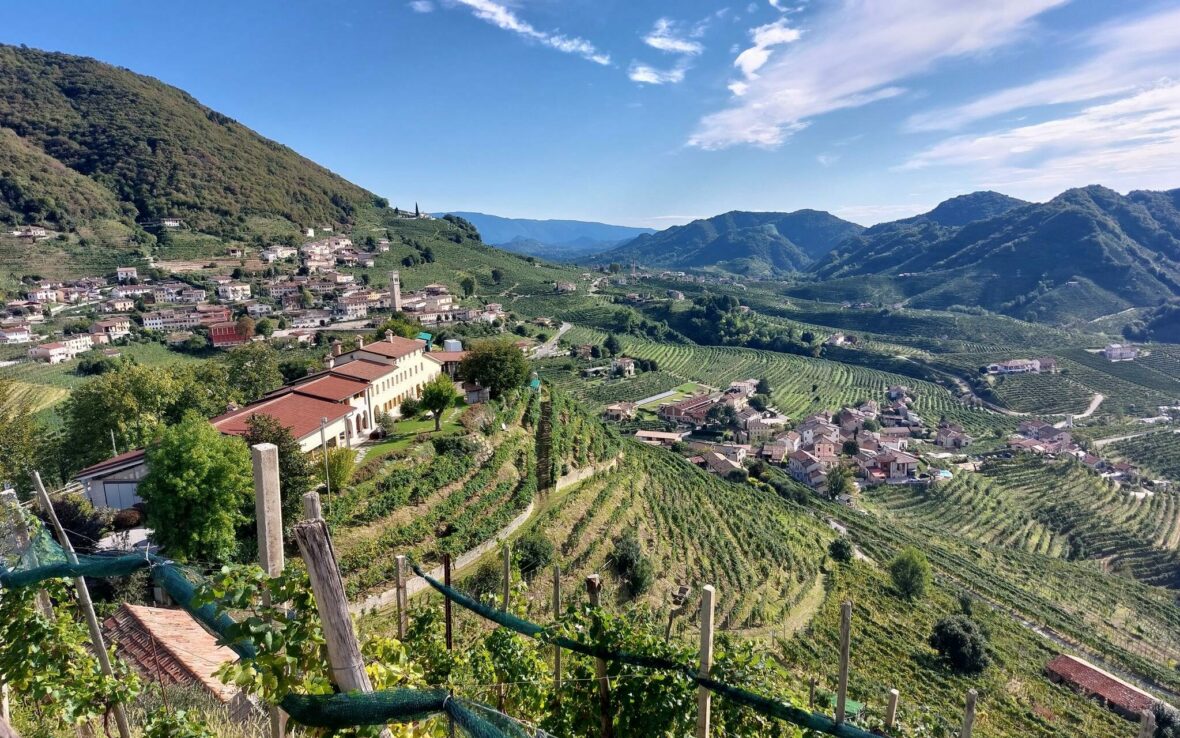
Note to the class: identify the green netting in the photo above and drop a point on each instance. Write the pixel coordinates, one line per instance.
(765, 705)
(395, 706)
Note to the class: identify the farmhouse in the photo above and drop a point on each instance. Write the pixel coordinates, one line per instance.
(659, 438)
(233, 292)
(397, 367)
(1120, 352)
(15, 334)
(227, 333)
(689, 411)
(126, 274)
(1015, 366)
(300, 413)
(621, 411)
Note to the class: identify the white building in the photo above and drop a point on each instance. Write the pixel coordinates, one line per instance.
(126, 274)
(1120, 352)
(233, 291)
(397, 368)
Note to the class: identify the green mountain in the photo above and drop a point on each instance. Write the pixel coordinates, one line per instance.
(82, 141)
(560, 240)
(755, 244)
(1088, 252)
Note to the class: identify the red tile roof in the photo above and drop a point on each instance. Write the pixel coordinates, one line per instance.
(394, 348)
(170, 644)
(363, 369)
(444, 357)
(129, 458)
(1094, 681)
(333, 389)
(299, 413)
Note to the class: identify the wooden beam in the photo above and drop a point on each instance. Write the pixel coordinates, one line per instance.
(403, 616)
(84, 603)
(268, 513)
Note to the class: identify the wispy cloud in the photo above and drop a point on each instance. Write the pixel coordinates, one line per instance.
(858, 52)
(1120, 56)
(421, 6)
(667, 36)
(1132, 142)
(827, 160)
(503, 17)
(765, 38)
(649, 75)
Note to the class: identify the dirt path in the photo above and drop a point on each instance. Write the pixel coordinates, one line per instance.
(1094, 403)
(549, 348)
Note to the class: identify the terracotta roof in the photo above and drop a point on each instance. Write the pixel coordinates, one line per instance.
(299, 413)
(333, 389)
(363, 369)
(129, 458)
(394, 348)
(170, 644)
(1095, 681)
(444, 357)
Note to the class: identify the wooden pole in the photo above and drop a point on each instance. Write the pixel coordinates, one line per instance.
(891, 710)
(449, 631)
(311, 506)
(845, 648)
(704, 696)
(969, 715)
(268, 513)
(1146, 724)
(507, 573)
(594, 590)
(87, 607)
(556, 615)
(811, 693)
(344, 652)
(403, 616)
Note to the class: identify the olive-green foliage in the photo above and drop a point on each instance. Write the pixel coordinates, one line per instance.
(840, 549)
(497, 365)
(533, 553)
(253, 370)
(136, 142)
(910, 572)
(438, 395)
(198, 483)
(961, 643)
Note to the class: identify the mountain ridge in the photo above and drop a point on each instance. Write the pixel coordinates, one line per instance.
(554, 238)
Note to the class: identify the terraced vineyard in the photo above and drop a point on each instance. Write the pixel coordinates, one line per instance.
(801, 385)
(1163, 359)
(1058, 509)
(607, 391)
(1157, 453)
(1042, 393)
(762, 553)
(1128, 386)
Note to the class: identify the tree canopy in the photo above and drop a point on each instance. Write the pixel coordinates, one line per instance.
(961, 643)
(497, 365)
(437, 395)
(910, 572)
(254, 370)
(197, 485)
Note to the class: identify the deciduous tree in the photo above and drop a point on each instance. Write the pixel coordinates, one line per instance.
(438, 395)
(254, 370)
(497, 365)
(910, 572)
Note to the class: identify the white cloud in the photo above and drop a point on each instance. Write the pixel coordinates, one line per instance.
(503, 17)
(421, 6)
(765, 38)
(1132, 142)
(649, 75)
(827, 160)
(858, 52)
(1124, 55)
(667, 36)
(778, 5)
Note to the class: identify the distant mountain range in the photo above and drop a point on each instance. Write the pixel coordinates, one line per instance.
(754, 244)
(558, 240)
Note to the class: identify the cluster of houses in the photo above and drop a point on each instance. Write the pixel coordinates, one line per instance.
(318, 298)
(1040, 437)
(336, 406)
(809, 449)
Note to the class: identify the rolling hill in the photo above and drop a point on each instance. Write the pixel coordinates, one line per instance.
(1086, 253)
(560, 240)
(755, 244)
(83, 142)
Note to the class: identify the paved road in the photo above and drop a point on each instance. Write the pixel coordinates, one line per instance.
(550, 347)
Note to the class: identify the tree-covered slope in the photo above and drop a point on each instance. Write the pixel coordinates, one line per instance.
(1088, 252)
(741, 242)
(82, 139)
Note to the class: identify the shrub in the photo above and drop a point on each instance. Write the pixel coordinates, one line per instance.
(533, 553)
(961, 643)
(910, 572)
(410, 407)
(632, 565)
(840, 550)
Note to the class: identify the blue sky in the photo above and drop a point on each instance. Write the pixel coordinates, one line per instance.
(654, 113)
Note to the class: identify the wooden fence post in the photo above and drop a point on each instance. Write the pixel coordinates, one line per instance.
(594, 590)
(268, 512)
(87, 607)
(311, 506)
(449, 632)
(403, 617)
(845, 648)
(811, 693)
(507, 571)
(704, 696)
(1146, 724)
(969, 715)
(891, 710)
(556, 614)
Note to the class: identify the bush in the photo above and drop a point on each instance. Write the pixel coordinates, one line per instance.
(910, 572)
(410, 407)
(961, 643)
(533, 553)
(632, 565)
(840, 550)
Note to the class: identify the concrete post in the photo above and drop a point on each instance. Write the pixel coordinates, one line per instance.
(268, 511)
(594, 590)
(891, 710)
(845, 648)
(969, 714)
(704, 696)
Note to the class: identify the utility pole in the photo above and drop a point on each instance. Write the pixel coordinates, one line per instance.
(87, 607)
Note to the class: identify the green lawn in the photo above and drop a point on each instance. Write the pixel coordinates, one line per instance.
(409, 430)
